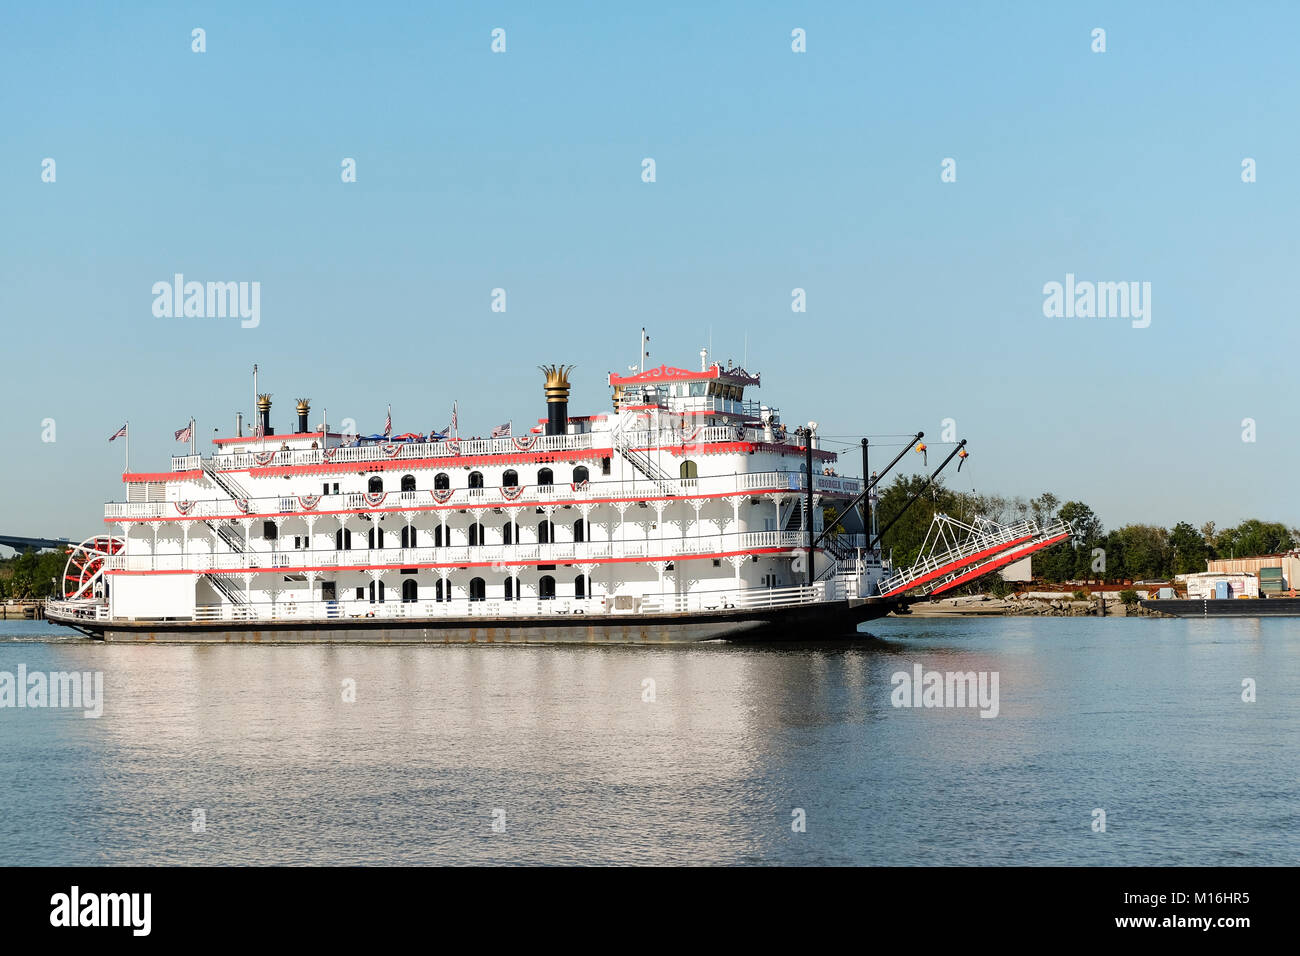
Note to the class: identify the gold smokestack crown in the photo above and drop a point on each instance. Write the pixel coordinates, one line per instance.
(264, 402)
(304, 406)
(557, 382)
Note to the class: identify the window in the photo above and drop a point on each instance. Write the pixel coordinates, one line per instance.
(510, 589)
(604, 467)
(477, 589)
(545, 477)
(437, 536)
(438, 589)
(545, 532)
(580, 474)
(343, 539)
(269, 530)
(361, 594)
(336, 488)
(375, 541)
(546, 588)
(328, 591)
(689, 469)
(476, 479)
(376, 590)
(510, 479)
(408, 536)
(698, 389)
(325, 488)
(441, 482)
(375, 485)
(408, 482)
(410, 591)
(579, 531)
(475, 534)
(508, 533)
(580, 587)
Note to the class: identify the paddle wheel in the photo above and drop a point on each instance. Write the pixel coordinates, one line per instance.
(85, 567)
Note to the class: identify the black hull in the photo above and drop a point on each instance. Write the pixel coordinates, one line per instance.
(811, 622)
(1262, 607)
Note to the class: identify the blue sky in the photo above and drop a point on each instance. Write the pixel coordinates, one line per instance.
(775, 170)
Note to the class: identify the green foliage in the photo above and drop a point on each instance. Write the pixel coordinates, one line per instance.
(1134, 552)
(31, 575)
(1128, 596)
(1081, 595)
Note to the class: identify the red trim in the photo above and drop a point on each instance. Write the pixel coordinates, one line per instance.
(466, 564)
(161, 475)
(957, 564)
(998, 562)
(484, 504)
(667, 373)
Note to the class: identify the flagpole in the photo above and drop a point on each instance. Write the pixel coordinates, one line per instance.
(127, 436)
(193, 440)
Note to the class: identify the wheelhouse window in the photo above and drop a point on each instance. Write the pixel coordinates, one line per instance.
(441, 482)
(375, 485)
(545, 477)
(510, 479)
(476, 479)
(580, 474)
(408, 482)
(689, 469)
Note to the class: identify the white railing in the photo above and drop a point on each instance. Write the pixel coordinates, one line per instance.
(530, 607)
(594, 491)
(59, 610)
(187, 462)
(572, 552)
(404, 451)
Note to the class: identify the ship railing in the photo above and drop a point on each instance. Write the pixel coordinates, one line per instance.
(60, 610)
(767, 482)
(525, 607)
(562, 552)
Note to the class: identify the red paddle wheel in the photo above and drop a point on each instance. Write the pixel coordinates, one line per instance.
(85, 565)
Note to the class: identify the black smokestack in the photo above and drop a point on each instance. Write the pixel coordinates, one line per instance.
(557, 398)
(264, 413)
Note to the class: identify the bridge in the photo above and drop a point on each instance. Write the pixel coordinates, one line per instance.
(19, 543)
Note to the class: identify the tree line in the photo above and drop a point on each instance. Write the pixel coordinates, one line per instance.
(1134, 552)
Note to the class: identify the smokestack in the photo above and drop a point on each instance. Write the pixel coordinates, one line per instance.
(264, 413)
(557, 398)
(239, 424)
(304, 409)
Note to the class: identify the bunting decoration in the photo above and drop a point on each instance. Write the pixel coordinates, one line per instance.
(442, 495)
(308, 502)
(454, 445)
(263, 458)
(183, 507)
(328, 453)
(375, 498)
(391, 450)
(578, 485)
(512, 494)
(525, 442)
(242, 504)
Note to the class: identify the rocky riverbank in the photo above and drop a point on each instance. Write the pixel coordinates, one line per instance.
(983, 605)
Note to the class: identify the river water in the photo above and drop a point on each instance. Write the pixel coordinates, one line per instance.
(555, 755)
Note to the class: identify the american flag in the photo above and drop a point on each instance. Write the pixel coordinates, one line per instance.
(501, 431)
(120, 433)
(185, 434)
(258, 432)
(388, 422)
(453, 427)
